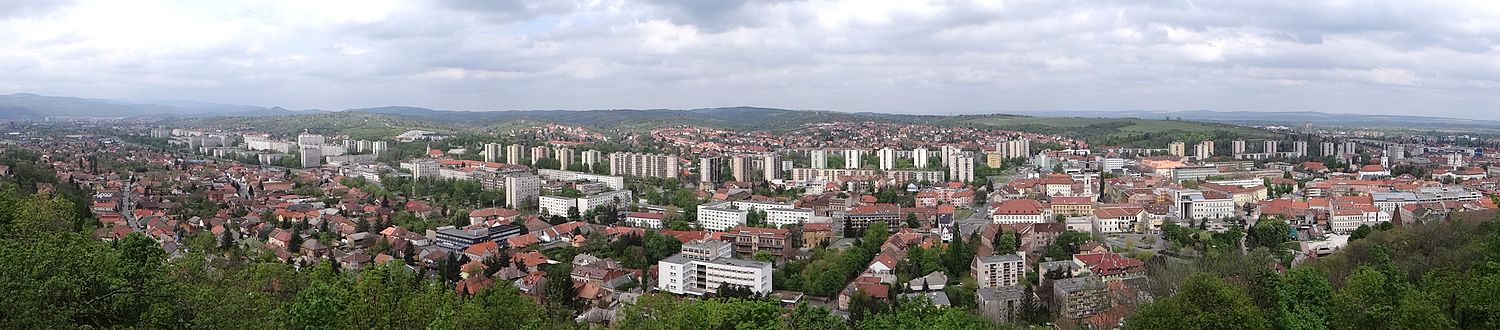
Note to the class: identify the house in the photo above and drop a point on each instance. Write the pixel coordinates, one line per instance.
(935, 281)
(1021, 211)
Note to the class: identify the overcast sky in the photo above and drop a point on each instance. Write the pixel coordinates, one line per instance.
(1390, 57)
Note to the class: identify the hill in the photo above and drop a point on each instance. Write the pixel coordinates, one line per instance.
(24, 106)
(1294, 118)
(1130, 132)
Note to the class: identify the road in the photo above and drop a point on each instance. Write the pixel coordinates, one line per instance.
(973, 222)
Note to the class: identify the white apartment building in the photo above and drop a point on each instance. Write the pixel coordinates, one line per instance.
(961, 169)
(422, 168)
(613, 182)
(558, 205)
(771, 166)
(306, 140)
(851, 158)
(995, 271)
(1199, 205)
(819, 158)
(591, 157)
(887, 158)
(643, 165)
(513, 154)
(704, 266)
(492, 152)
(520, 189)
(777, 214)
(1343, 219)
(311, 157)
(919, 157)
(720, 216)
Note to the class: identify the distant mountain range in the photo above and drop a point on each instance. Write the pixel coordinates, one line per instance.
(1286, 118)
(37, 107)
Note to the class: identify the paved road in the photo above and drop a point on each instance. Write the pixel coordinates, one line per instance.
(974, 222)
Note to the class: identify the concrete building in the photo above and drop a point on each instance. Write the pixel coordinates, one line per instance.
(1200, 205)
(703, 267)
(312, 156)
(513, 154)
(710, 171)
(521, 189)
(739, 168)
(719, 216)
(749, 240)
(1395, 152)
(643, 165)
(1204, 150)
(1271, 146)
(559, 206)
(961, 169)
(852, 158)
(613, 182)
(1299, 148)
(770, 166)
(1018, 148)
(1177, 149)
(540, 152)
(591, 157)
(947, 153)
(1327, 149)
(1021, 211)
(309, 140)
(887, 158)
(1079, 297)
(818, 158)
(1237, 147)
(995, 271)
(492, 152)
(564, 157)
(919, 158)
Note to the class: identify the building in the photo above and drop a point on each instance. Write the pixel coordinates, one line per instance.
(1237, 147)
(1395, 152)
(852, 158)
(1000, 304)
(1177, 149)
(513, 154)
(591, 157)
(771, 167)
(309, 140)
(740, 168)
(919, 158)
(613, 182)
(995, 271)
(1299, 148)
(710, 171)
(559, 206)
(564, 157)
(1271, 146)
(830, 174)
(645, 220)
(643, 165)
(703, 267)
(379, 147)
(492, 152)
(750, 240)
(961, 169)
(1021, 211)
(311, 156)
(1188, 173)
(818, 158)
(520, 189)
(540, 152)
(947, 153)
(1018, 148)
(1204, 149)
(719, 216)
(1327, 149)
(1079, 297)
(1199, 205)
(777, 214)
(887, 158)
(457, 239)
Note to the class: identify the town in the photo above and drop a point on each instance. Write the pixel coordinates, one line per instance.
(852, 218)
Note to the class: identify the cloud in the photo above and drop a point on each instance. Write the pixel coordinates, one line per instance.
(925, 56)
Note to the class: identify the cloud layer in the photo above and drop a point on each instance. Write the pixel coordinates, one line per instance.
(1391, 57)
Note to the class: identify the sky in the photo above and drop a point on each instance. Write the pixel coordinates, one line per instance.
(1436, 58)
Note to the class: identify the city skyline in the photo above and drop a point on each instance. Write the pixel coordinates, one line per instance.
(899, 57)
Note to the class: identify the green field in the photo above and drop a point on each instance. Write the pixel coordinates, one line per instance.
(1128, 132)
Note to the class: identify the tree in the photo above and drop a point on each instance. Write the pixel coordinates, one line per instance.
(1360, 233)
(558, 290)
(1269, 232)
(321, 306)
(1204, 302)
(911, 221)
(1006, 243)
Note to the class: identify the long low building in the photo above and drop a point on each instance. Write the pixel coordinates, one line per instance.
(703, 267)
(807, 174)
(613, 182)
(559, 206)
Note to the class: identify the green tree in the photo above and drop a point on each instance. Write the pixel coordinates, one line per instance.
(1204, 302)
(321, 306)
